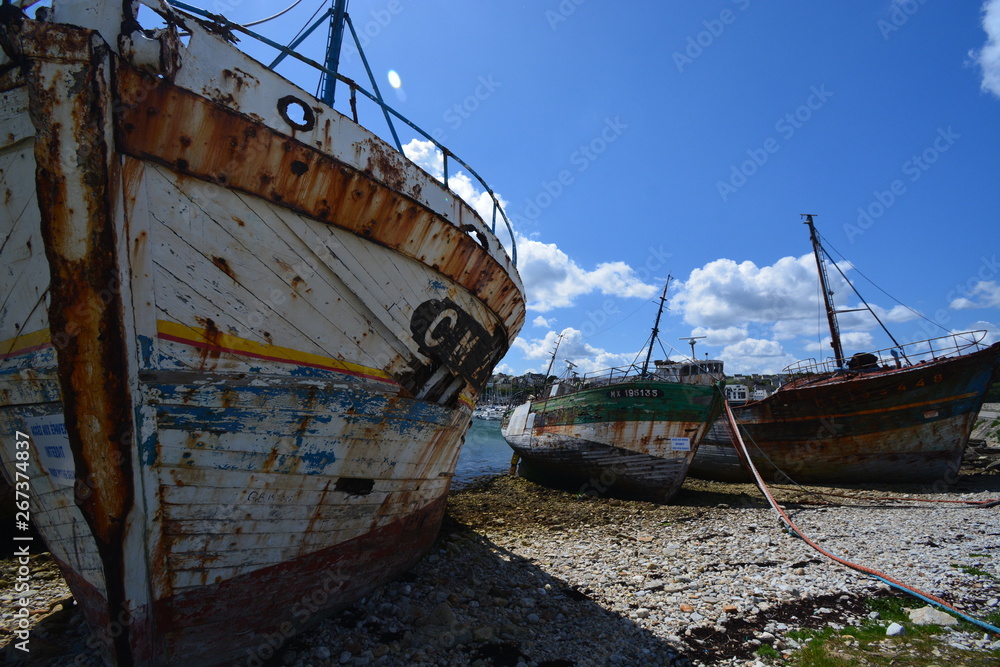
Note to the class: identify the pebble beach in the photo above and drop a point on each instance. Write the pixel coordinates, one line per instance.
(526, 575)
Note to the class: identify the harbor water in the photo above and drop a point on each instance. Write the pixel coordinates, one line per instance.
(485, 452)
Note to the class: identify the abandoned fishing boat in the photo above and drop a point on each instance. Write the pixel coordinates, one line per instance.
(244, 334)
(629, 432)
(903, 414)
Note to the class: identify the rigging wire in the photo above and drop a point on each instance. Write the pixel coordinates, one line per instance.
(307, 23)
(271, 18)
(641, 305)
(827, 244)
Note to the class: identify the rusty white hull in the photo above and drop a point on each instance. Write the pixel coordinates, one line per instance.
(246, 345)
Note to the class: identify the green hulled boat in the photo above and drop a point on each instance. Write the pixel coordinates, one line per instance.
(629, 432)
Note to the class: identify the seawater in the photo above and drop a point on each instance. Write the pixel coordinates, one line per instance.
(485, 452)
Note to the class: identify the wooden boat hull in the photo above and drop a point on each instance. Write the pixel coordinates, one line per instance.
(901, 425)
(246, 347)
(634, 439)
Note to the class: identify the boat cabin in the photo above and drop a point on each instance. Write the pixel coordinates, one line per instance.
(708, 371)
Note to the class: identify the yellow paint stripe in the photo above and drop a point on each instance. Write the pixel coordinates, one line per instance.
(198, 337)
(24, 343)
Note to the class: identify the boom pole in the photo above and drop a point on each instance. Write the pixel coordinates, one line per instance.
(831, 313)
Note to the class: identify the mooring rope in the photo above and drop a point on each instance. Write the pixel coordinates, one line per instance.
(794, 530)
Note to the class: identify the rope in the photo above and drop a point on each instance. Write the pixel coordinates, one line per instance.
(974, 503)
(794, 530)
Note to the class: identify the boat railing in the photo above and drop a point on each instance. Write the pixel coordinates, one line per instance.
(695, 372)
(612, 375)
(897, 356)
(225, 24)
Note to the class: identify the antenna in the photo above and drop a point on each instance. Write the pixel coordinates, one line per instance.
(691, 340)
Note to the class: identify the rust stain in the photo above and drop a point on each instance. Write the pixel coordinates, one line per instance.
(328, 190)
(223, 265)
(214, 339)
(76, 183)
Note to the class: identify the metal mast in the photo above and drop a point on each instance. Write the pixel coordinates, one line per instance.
(334, 41)
(831, 313)
(552, 360)
(656, 326)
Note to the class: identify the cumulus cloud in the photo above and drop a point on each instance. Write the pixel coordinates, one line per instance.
(554, 280)
(852, 341)
(992, 330)
(725, 336)
(986, 294)
(988, 57)
(573, 348)
(723, 293)
(551, 278)
(755, 356)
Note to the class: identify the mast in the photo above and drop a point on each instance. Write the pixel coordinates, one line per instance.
(831, 313)
(334, 42)
(552, 360)
(656, 326)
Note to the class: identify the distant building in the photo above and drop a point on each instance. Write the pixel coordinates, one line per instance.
(736, 392)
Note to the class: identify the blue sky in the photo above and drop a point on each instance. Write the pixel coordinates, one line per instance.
(633, 140)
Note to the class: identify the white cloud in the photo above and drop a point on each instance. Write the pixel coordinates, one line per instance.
(988, 57)
(542, 322)
(755, 356)
(854, 341)
(585, 357)
(989, 293)
(551, 278)
(723, 293)
(554, 280)
(992, 331)
(726, 336)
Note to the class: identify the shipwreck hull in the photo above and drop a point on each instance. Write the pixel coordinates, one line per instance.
(905, 425)
(246, 344)
(633, 439)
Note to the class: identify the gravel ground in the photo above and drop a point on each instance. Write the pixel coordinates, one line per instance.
(526, 575)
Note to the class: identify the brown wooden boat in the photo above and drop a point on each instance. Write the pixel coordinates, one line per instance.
(903, 414)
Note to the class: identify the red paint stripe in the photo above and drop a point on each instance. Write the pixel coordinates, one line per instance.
(25, 350)
(209, 346)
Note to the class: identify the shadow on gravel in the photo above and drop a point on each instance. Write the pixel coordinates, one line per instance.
(471, 601)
